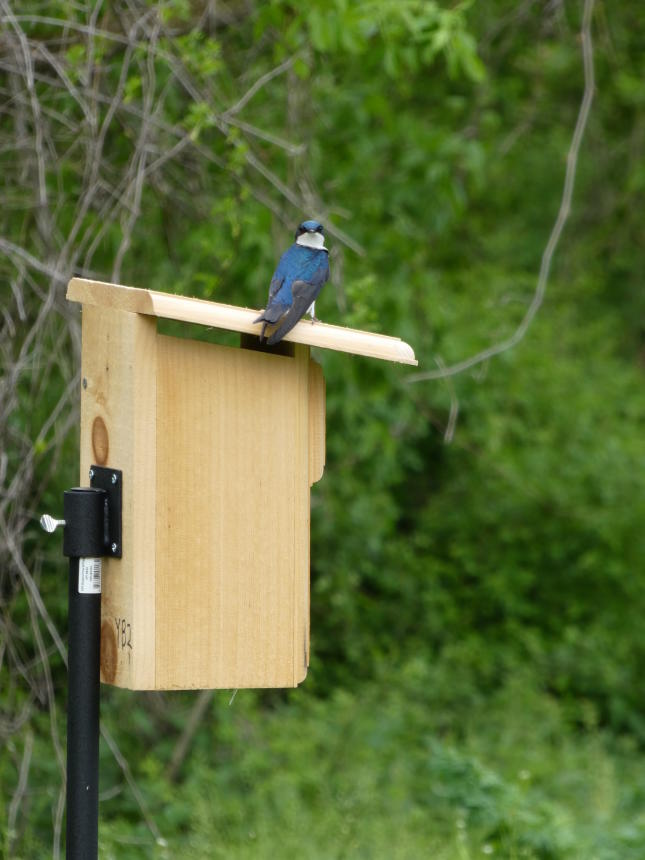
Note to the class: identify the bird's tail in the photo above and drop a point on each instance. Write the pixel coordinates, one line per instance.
(271, 316)
(261, 319)
(285, 327)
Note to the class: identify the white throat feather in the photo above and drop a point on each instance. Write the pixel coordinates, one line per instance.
(312, 240)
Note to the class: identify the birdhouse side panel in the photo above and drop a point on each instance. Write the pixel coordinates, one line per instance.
(317, 420)
(118, 393)
(232, 483)
(301, 504)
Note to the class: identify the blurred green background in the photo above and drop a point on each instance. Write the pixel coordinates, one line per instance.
(478, 593)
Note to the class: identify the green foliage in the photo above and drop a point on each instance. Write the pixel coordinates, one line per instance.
(379, 772)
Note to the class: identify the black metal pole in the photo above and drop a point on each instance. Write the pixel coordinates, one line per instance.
(84, 544)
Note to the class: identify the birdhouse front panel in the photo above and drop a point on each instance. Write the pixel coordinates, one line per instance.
(232, 516)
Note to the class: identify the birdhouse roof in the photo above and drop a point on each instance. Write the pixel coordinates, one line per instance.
(233, 318)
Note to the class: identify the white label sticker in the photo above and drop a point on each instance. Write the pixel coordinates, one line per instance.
(89, 576)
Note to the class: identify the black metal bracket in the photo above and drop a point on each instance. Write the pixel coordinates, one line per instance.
(110, 480)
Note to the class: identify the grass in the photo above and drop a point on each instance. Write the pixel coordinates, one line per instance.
(393, 770)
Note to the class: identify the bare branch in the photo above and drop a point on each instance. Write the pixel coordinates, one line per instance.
(125, 768)
(21, 787)
(257, 86)
(193, 722)
(558, 227)
(12, 249)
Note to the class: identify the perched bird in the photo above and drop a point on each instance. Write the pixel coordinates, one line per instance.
(300, 275)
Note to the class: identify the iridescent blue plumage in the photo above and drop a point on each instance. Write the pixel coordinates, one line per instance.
(298, 279)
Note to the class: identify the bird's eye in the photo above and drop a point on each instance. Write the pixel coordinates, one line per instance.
(319, 229)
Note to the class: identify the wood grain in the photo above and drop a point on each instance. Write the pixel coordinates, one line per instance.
(232, 516)
(238, 319)
(316, 422)
(118, 385)
(301, 513)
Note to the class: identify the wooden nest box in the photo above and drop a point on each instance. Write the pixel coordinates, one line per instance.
(217, 448)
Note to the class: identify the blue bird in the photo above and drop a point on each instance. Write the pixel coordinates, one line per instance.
(298, 279)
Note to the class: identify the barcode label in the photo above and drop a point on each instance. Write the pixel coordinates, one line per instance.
(89, 576)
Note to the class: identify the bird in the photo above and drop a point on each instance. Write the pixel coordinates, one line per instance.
(300, 275)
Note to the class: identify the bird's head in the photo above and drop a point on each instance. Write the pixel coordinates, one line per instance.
(311, 234)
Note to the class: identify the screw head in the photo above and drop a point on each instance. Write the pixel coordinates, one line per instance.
(115, 477)
(91, 474)
(114, 547)
(49, 523)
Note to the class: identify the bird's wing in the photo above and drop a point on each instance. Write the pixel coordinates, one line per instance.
(275, 309)
(276, 282)
(282, 271)
(304, 293)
